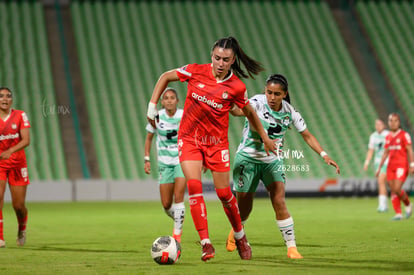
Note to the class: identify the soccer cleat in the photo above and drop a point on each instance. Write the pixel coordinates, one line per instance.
(243, 246)
(397, 217)
(21, 238)
(293, 253)
(408, 210)
(382, 209)
(208, 252)
(2, 243)
(231, 242)
(177, 237)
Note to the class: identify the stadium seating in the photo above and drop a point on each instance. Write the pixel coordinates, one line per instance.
(25, 68)
(125, 46)
(389, 25)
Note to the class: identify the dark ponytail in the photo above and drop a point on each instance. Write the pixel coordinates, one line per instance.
(282, 81)
(252, 66)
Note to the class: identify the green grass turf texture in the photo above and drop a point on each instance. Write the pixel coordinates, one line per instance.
(335, 236)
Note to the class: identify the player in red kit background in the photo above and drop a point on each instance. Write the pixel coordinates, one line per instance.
(14, 137)
(398, 149)
(212, 91)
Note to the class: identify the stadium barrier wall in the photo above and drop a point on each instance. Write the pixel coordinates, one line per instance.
(147, 190)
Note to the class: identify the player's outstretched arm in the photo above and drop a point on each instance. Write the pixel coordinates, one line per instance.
(311, 140)
(160, 86)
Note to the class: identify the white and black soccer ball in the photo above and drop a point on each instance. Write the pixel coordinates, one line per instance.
(166, 250)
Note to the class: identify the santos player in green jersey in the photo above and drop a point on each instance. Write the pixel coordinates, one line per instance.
(171, 177)
(253, 164)
(376, 149)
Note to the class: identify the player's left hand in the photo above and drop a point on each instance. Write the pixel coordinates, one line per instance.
(329, 161)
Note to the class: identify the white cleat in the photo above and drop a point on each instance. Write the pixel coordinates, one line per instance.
(382, 209)
(397, 217)
(2, 244)
(408, 210)
(21, 238)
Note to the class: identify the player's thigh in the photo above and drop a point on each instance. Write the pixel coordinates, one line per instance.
(18, 195)
(273, 172)
(18, 181)
(2, 191)
(3, 181)
(396, 177)
(217, 158)
(382, 178)
(246, 175)
(192, 169)
(166, 174)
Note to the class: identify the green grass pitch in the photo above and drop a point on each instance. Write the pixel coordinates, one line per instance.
(335, 236)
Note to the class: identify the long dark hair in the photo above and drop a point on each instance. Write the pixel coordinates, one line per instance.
(282, 81)
(252, 66)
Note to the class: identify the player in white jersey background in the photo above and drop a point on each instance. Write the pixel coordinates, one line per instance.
(252, 164)
(376, 149)
(171, 178)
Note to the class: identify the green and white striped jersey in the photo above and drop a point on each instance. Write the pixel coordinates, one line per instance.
(167, 131)
(275, 124)
(377, 142)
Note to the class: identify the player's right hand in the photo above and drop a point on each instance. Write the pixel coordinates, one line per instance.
(270, 146)
(147, 167)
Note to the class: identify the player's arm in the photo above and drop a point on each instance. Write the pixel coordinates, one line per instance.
(383, 158)
(160, 86)
(410, 157)
(269, 145)
(313, 143)
(236, 111)
(368, 158)
(147, 151)
(23, 143)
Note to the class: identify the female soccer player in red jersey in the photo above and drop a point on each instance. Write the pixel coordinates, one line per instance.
(398, 149)
(14, 137)
(203, 134)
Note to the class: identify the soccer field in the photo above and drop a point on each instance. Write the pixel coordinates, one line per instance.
(335, 236)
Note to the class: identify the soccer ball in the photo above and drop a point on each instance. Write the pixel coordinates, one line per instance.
(165, 250)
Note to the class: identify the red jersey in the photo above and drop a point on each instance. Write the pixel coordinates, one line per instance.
(208, 102)
(10, 135)
(396, 144)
